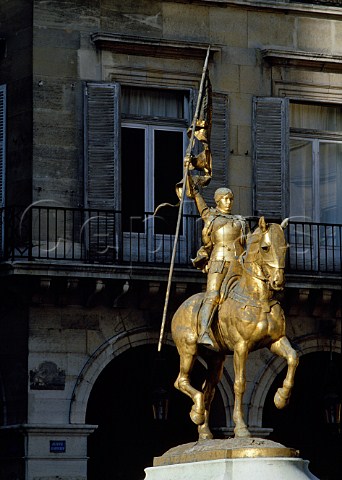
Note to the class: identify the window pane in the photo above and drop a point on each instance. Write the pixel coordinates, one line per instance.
(168, 170)
(133, 178)
(316, 117)
(330, 182)
(152, 103)
(301, 186)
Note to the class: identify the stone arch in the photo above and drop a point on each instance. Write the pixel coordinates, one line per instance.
(110, 349)
(262, 383)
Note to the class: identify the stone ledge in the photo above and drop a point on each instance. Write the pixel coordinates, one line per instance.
(277, 56)
(151, 47)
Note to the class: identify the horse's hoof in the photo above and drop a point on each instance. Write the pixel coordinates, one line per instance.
(196, 417)
(241, 432)
(204, 433)
(205, 436)
(281, 399)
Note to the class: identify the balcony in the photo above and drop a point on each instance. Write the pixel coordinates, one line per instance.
(50, 234)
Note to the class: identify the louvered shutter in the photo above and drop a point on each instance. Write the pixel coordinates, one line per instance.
(219, 147)
(2, 160)
(102, 168)
(2, 143)
(102, 117)
(270, 156)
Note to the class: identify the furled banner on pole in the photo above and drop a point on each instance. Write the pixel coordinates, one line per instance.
(202, 162)
(200, 130)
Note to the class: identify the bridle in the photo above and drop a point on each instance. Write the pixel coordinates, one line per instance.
(263, 277)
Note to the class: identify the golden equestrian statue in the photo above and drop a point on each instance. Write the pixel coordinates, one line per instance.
(237, 313)
(247, 320)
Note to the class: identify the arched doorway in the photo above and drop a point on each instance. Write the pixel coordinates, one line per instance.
(120, 403)
(301, 425)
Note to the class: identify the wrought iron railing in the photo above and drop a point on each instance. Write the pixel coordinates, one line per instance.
(95, 236)
(314, 247)
(50, 233)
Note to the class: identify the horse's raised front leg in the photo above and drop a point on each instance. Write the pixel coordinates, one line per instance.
(187, 354)
(214, 374)
(240, 359)
(282, 347)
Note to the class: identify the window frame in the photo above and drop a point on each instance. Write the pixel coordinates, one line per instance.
(149, 161)
(315, 141)
(316, 137)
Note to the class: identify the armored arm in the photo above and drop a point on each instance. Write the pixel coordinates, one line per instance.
(194, 193)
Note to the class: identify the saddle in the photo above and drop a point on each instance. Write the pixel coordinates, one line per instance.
(233, 275)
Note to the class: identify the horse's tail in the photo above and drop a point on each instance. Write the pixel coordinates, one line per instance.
(184, 321)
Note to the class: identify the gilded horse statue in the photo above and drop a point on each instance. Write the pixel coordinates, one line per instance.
(247, 320)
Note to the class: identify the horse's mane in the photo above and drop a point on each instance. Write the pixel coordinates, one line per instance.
(252, 240)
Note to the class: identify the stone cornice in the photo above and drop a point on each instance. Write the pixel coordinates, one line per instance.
(52, 429)
(294, 58)
(280, 5)
(132, 45)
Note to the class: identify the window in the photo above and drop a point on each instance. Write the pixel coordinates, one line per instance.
(298, 173)
(135, 140)
(297, 160)
(153, 144)
(152, 160)
(315, 171)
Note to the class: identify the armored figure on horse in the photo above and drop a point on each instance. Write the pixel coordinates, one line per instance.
(237, 313)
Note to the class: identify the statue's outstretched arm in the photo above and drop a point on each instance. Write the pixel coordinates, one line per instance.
(194, 193)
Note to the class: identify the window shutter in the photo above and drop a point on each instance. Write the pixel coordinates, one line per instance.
(270, 156)
(218, 144)
(2, 143)
(2, 161)
(102, 170)
(102, 123)
(219, 147)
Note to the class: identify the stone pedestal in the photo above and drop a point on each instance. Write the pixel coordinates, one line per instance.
(49, 451)
(232, 459)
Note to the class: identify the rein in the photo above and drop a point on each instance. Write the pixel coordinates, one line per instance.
(250, 272)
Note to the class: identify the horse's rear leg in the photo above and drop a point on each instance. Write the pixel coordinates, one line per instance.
(187, 359)
(282, 347)
(214, 374)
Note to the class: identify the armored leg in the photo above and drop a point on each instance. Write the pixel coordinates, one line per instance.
(205, 317)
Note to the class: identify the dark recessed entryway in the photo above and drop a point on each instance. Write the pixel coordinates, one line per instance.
(120, 403)
(302, 424)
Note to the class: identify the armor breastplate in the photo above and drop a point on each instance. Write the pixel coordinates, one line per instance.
(225, 236)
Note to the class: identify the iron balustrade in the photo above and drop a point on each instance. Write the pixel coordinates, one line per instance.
(95, 236)
(84, 235)
(314, 247)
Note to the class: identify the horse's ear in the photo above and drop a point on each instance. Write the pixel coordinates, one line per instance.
(284, 223)
(262, 224)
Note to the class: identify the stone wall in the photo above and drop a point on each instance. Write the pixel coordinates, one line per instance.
(64, 58)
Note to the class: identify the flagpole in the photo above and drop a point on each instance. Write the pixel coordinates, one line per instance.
(186, 170)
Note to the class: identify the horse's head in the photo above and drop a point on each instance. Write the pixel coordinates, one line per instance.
(267, 247)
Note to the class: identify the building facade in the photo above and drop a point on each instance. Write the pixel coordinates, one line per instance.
(96, 99)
